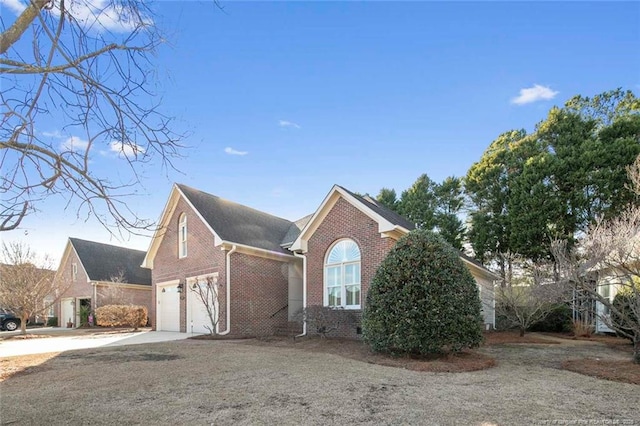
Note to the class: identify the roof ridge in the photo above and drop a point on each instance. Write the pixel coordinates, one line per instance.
(105, 244)
(181, 185)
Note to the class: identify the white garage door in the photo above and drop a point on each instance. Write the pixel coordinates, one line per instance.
(197, 316)
(168, 308)
(66, 312)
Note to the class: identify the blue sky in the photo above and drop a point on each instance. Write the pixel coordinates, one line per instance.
(283, 99)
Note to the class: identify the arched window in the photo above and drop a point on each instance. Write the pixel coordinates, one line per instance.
(342, 275)
(182, 236)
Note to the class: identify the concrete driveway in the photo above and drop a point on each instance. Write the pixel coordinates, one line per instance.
(15, 347)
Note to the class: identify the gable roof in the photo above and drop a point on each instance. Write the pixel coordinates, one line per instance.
(389, 222)
(102, 262)
(383, 211)
(235, 223)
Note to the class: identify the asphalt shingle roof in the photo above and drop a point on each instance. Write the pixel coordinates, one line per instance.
(383, 211)
(239, 224)
(397, 219)
(102, 262)
(294, 230)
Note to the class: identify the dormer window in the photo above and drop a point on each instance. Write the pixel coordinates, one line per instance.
(182, 236)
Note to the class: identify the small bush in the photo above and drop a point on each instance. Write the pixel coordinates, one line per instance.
(558, 320)
(629, 321)
(121, 316)
(582, 329)
(422, 300)
(324, 320)
(52, 322)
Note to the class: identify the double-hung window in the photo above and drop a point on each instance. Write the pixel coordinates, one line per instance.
(182, 236)
(342, 275)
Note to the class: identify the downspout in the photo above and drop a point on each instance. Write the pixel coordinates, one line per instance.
(94, 302)
(228, 291)
(304, 290)
(493, 302)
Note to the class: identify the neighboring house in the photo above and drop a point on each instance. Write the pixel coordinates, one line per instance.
(93, 274)
(268, 268)
(603, 314)
(609, 284)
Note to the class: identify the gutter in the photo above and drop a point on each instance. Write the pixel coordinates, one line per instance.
(304, 291)
(228, 291)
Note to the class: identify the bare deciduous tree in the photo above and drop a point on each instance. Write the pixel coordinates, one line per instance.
(206, 290)
(27, 286)
(609, 250)
(114, 294)
(529, 298)
(83, 66)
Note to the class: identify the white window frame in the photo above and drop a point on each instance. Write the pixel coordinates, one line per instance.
(74, 271)
(343, 285)
(182, 236)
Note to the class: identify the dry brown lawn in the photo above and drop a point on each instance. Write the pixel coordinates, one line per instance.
(22, 364)
(248, 382)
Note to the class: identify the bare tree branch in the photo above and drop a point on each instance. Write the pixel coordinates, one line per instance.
(89, 70)
(609, 255)
(27, 285)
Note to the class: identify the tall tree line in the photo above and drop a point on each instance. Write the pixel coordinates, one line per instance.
(431, 205)
(528, 190)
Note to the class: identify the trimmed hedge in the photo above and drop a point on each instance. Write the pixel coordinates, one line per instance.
(121, 316)
(422, 300)
(52, 322)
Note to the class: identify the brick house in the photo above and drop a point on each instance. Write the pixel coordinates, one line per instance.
(93, 274)
(267, 268)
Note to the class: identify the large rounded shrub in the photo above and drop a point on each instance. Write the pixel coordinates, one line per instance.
(422, 300)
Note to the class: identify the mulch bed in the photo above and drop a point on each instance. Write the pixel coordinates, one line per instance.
(502, 337)
(617, 371)
(467, 360)
(614, 342)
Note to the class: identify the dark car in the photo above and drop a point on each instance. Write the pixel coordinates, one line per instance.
(8, 320)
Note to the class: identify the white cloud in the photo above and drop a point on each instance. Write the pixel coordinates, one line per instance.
(285, 123)
(54, 134)
(126, 150)
(534, 94)
(74, 144)
(16, 6)
(99, 15)
(232, 151)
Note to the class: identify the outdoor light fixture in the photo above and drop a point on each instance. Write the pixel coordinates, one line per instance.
(194, 286)
(180, 288)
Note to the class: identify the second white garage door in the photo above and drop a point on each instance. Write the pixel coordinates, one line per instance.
(197, 317)
(168, 308)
